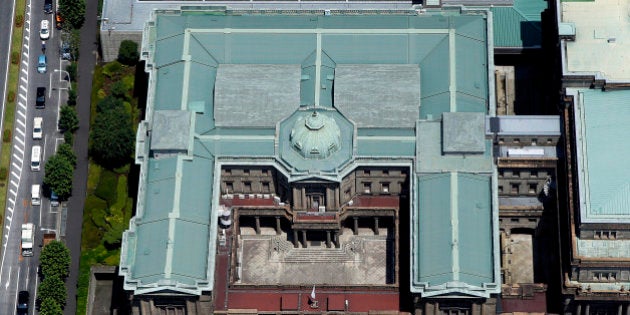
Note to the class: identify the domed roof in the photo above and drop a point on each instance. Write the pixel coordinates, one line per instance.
(316, 136)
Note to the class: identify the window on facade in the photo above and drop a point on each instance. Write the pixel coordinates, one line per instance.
(229, 187)
(613, 235)
(501, 140)
(385, 172)
(532, 188)
(265, 187)
(366, 172)
(501, 173)
(247, 187)
(549, 141)
(228, 171)
(347, 193)
(534, 141)
(516, 173)
(514, 188)
(245, 172)
(500, 189)
(367, 188)
(385, 187)
(534, 173)
(265, 172)
(517, 140)
(597, 234)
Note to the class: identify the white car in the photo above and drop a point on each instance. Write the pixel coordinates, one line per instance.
(37, 127)
(44, 30)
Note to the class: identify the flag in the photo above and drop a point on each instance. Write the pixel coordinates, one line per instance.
(313, 293)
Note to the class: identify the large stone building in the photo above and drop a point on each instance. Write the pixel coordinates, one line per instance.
(316, 163)
(594, 49)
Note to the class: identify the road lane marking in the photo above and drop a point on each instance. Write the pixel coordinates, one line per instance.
(16, 156)
(16, 147)
(21, 114)
(23, 96)
(15, 184)
(19, 139)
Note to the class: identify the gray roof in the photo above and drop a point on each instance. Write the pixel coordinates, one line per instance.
(171, 130)
(255, 94)
(463, 132)
(364, 92)
(518, 125)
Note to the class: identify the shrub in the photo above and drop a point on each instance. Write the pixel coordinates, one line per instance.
(11, 96)
(128, 52)
(68, 137)
(15, 57)
(50, 307)
(19, 20)
(68, 119)
(72, 97)
(6, 136)
(106, 188)
(72, 71)
(73, 12)
(3, 173)
(119, 90)
(113, 69)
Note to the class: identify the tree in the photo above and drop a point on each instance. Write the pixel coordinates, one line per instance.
(50, 307)
(68, 119)
(72, 97)
(128, 52)
(52, 288)
(59, 176)
(68, 137)
(55, 260)
(112, 138)
(73, 12)
(72, 71)
(65, 150)
(109, 103)
(119, 90)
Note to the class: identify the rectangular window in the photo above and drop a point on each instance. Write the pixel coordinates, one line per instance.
(265, 172)
(549, 141)
(265, 187)
(613, 235)
(367, 188)
(501, 140)
(500, 189)
(534, 174)
(246, 172)
(385, 172)
(229, 187)
(366, 172)
(597, 235)
(227, 171)
(501, 173)
(385, 187)
(533, 188)
(514, 189)
(534, 141)
(247, 187)
(516, 173)
(517, 140)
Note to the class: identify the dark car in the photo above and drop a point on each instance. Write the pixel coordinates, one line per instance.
(22, 305)
(48, 9)
(40, 101)
(64, 51)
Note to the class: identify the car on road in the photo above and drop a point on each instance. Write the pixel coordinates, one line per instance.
(42, 63)
(58, 20)
(35, 195)
(64, 51)
(40, 101)
(48, 6)
(44, 29)
(22, 304)
(37, 127)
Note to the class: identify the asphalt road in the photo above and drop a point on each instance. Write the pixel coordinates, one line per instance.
(88, 52)
(19, 273)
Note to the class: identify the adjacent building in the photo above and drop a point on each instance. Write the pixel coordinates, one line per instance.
(594, 44)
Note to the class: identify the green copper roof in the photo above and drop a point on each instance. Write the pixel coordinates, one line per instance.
(518, 25)
(604, 178)
(246, 87)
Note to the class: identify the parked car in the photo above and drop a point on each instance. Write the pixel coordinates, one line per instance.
(58, 20)
(64, 51)
(42, 63)
(48, 6)
(37, 127)
(54, 199)
(40, 101)
(44, 29)
(22, 304)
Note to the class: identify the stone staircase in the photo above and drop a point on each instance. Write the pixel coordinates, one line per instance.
(350, 252)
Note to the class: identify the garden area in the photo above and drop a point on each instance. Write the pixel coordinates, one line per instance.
(111, 181)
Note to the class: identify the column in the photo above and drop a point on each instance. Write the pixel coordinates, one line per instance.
(375, 225)
(304, 239)
(278, 228)
(355, 228)
(257, 227)
(337, 245)
(578, 310)
(620, 309)
(337, 203)
(328, 241)
(588, 309)
(303, 204)
(628, 309)
(296, 241)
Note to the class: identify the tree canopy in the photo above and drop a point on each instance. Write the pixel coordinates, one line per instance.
(52, 288)
(65, 150)
(112, 137)
(50, 307)
(55, 260)
(58, 175)
(68, 119)
(73, 13)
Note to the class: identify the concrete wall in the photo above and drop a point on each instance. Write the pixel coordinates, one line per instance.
(110, 42)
